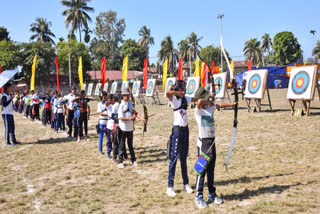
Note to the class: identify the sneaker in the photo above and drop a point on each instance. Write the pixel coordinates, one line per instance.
(214, 198)
(101, 152)
(120, 166)
(135, 163)
(200, 202)
(9, 144)
(108, 156)
(188, 189)
(170, 192)
(17, 142)
(115, 161)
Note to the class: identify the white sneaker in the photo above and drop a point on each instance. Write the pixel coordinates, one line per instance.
(170, 192)
(135, 163)
(188, 189)
(120, 165)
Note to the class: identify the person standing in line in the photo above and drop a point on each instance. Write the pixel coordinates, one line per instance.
(110, 124)
(46, 115)
(70, 114)
(7, 115)
(35, 106)
(53, 110)
(84, 116)
(59, 105)
(103, 119)
(116, 132)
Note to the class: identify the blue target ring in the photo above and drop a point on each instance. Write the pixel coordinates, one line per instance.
(300, 82)
(191, 86)
(135, 88)
(150, 87)
(218, 85)
(254, 83)
(170, 83)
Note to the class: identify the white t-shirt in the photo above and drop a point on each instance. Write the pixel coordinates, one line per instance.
(180, 116)
(110, 122)
(35, 97)
(124, 110)
(70, 97)
(58, 107)
(205, 120)
(9, 108)
(102, 108)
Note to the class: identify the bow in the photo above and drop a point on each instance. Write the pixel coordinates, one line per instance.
(145, 116)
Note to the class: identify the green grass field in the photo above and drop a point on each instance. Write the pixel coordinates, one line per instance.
(274, 166)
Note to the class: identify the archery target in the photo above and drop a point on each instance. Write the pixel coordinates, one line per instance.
(150, 87)
(256, 84)
(114, 88)
(193, 84)
(136, 88)
(302, 83)
(84, 86)
(105, 87)
(124, 85)
(89, 92)
(219, 84)
(98, 86)
(170, 82)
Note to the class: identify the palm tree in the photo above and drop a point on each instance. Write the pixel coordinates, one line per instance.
(183, 48)
(253, 51)
(168, 51)
(42, 31)
(87, 33)
(266, 44)
(316, 52)
(146, 38)
(194, 47)
(313, 32)
(76, 14)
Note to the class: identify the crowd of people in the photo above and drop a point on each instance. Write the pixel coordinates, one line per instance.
(116, 118)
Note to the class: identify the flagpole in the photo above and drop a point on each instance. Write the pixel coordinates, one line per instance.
(220, 16)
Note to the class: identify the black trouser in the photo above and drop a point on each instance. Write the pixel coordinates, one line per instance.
(206, 144)
(9, 128)
(21, 106)
(35, 114)
(122, 146)
(83, 119)
(70, 121)
(27, 111)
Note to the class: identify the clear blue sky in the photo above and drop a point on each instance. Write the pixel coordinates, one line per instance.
(242, 19)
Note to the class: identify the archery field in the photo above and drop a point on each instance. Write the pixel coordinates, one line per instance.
(274, 166)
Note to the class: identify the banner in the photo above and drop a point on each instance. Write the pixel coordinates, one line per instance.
(145, 73)
(80, 73)
(125, 69)
(180, 70)
(57, 69)
(203, 74)
(33, 73)
(232, 68)
(212, 67)
(164, 74)
(197, 70)
(103, 71)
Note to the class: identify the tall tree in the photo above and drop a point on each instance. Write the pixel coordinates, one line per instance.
(316, 52)
(266, 44)
(41, 30)
(183, 48)
(168, 51)
(194, 47)
(4, 34)
(76, 14)
(252, 51)
(10, 55)
(87, 33)
(286, 48)
(146, 38)
(135, 53)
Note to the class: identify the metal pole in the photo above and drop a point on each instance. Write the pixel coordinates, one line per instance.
(220, 16)
(69, 64)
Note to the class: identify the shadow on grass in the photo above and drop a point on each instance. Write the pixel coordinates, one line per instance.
(156, 155)
(246, 179)
(246, 194)
(52, 141)
(276, 110)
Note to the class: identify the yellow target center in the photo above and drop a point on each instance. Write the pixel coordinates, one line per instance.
(299, 83)
(254, 84)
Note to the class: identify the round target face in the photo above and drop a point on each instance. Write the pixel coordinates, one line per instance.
(191, 86)
(150, 87)
(300, 82)
(254, 84)
(217, 84)
(170, 83)
(135, 88)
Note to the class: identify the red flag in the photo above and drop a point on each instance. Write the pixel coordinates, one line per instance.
(103, 71)
(57, 68)
(212, 67)
(145, 73)
(249, 65)
(204, 75)
(180, 69)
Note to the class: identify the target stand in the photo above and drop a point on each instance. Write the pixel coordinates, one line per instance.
(152, 93)
(258, 103)
(302, 86)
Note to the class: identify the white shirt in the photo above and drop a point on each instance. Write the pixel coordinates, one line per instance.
(36, 98)
(70, 97)
(205, 120)
(180, 116)
(9, 108)
(102, 108)
(58, 107)
(124, 110)
(110, 122)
